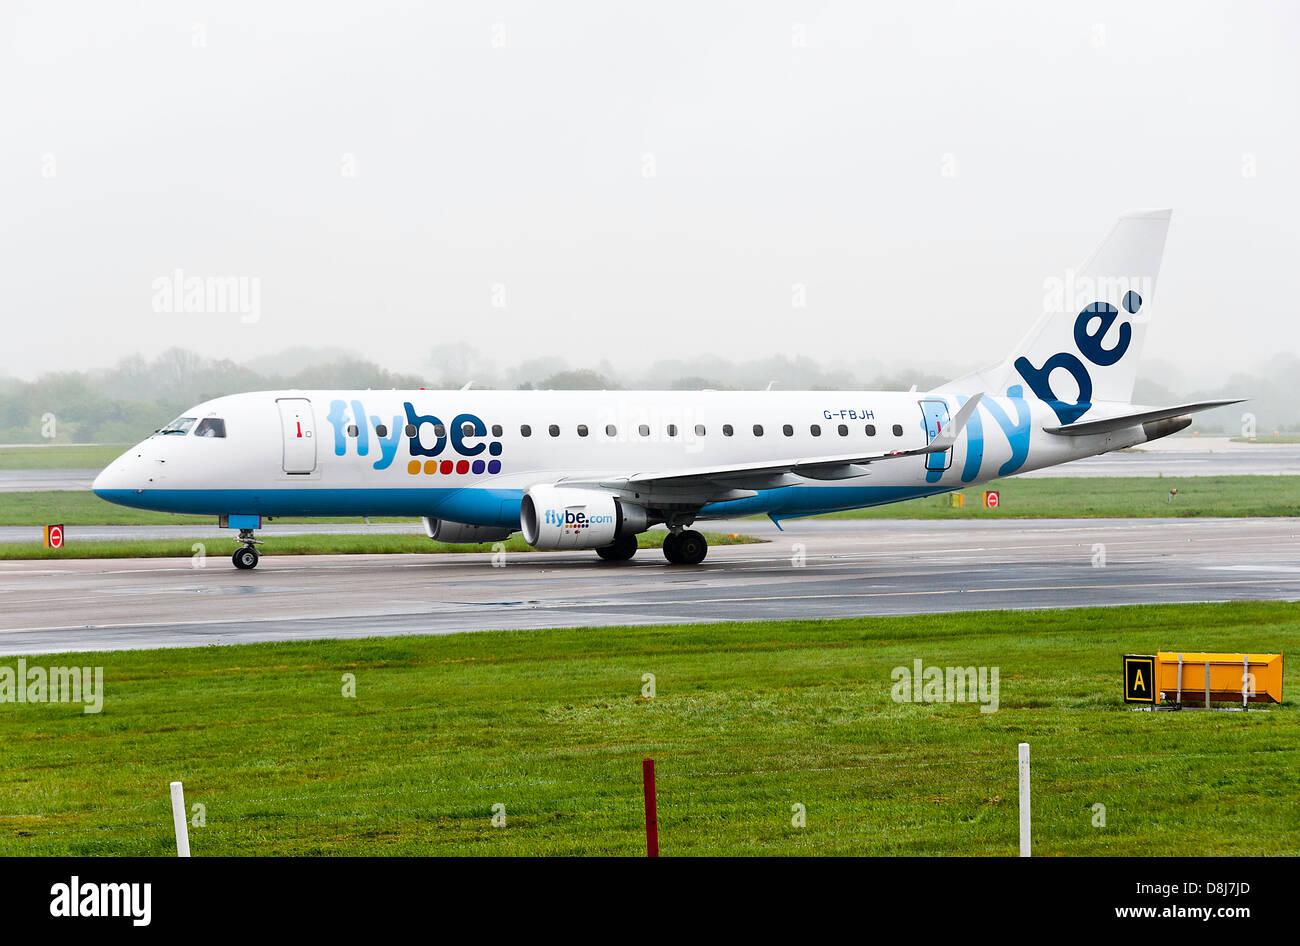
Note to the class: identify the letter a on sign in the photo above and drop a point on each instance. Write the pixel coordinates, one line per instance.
(1139, 679)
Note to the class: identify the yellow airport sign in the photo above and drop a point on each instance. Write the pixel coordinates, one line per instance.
(1188, 677)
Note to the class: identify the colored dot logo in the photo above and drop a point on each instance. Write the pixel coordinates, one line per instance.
(453, 467)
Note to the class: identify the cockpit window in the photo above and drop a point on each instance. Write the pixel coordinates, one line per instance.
(210, 427)
(180, 425)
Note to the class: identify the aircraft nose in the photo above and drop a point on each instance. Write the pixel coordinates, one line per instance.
(110, 480)
(120, 478)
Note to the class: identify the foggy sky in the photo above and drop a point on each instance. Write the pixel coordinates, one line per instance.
(637, 181)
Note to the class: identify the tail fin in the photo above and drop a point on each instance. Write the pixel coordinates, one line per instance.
(1085, 346)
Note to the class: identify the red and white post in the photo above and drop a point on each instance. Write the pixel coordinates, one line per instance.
(1024, 799)
(181, 822)
(651, 808)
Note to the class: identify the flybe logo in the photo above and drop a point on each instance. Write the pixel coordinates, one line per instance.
(1090, 328)
(458, 448)
(574, 520)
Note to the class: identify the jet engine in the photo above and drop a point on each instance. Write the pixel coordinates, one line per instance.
(443, 530)
(557, 517)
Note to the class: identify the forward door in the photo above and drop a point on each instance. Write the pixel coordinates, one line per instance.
(299, 432)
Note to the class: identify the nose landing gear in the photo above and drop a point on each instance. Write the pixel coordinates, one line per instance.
(246, 556)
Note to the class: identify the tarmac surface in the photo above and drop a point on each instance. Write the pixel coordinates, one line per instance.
(815, 569)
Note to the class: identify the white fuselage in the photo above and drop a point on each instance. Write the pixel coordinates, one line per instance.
(468, 456)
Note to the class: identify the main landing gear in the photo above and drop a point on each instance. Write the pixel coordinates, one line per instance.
(246, 556)
(685, 548)
(622, 550)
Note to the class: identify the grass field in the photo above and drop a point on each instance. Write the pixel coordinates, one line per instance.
(60, 456)
(1097, 497)
(303, 545)
(1020, 498)
(747, 721)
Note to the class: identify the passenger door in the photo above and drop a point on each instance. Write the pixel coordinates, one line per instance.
(298, 428)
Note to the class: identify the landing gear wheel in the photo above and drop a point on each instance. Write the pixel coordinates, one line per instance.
(691, 547)
(245, 558)
(622, 549)
(670, 549)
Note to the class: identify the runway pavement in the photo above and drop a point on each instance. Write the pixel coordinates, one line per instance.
(833, 568)
(27, 481)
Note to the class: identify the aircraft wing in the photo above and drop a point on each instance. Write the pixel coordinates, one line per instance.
(773, 473)
(1108, 424)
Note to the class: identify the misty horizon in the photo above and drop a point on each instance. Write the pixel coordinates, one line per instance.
(843, 183)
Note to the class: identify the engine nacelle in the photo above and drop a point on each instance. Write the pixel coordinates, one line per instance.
(443, 530)
(558, 517)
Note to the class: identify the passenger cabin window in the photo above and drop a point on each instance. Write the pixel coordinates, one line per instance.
(380, 431)
(525, 430)
(353, 430)
(213, 427)
(871, 430)
(672, 430)
(643, 430)
(467, 430)
(439, 430)
(496, 430)
(758, 430)
(844, 430)
(699, 430)
(611, 430)
(727, 430)
(553, 430)
(898, 430)
(788, 430)
(582, 430)
(815, 430)
(180, 425)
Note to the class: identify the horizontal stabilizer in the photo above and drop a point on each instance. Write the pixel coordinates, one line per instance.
(1109, 424)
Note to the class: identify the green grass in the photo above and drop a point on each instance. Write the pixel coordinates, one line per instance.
(60, 456)
(1096, 497)
(748, 720)
(1269, 438)
(303, 545)
(1021, 498)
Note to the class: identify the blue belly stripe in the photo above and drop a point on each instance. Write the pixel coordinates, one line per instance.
(485, 507)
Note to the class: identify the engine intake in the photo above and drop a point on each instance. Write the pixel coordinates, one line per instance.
(444, 530)
(556, 517)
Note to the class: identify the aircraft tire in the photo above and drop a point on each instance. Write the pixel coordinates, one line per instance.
(621, 550)
(245, 558)
(691, 548)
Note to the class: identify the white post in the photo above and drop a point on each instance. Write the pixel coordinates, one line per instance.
(181, 822)
(1024, 799)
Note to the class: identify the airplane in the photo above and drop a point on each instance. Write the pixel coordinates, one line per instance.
(592, 470)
